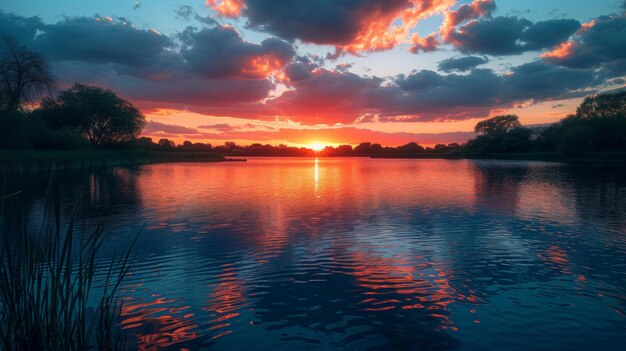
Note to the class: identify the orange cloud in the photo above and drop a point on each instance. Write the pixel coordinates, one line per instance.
(378, 32)
(378, 25)
(262, 66)
(426, 44)
(227, 8)
(464, 13)
(562, 51)
(586, 26)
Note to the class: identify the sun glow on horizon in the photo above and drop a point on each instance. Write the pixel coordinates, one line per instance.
(317, 146)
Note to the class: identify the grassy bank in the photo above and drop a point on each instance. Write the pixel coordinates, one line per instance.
(32, 160)
(612, 157)
(54, 293)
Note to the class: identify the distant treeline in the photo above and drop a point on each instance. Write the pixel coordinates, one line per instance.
(89, 118)
(599, 125)
(232, 149)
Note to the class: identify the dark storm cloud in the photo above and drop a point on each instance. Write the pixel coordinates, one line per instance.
(331, 96)
(461, 64)
(321, 22)
(220, 52)
(430, 96)
(539, 80)
(601, 44)
(101, 40)
(214, 66)
(352, 26)
(546, 34)
(511, 35)
(20, 28)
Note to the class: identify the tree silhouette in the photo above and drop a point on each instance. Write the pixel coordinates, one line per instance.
(498, 126)
(24, 75)
(98, 114)
(603, 106)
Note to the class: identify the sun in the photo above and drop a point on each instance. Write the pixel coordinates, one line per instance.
(317, 146)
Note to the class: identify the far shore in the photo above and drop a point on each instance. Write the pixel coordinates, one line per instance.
(592, 157)
(34, 160)
(31, 160)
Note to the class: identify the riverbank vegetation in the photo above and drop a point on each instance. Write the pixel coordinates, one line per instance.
(55, 293)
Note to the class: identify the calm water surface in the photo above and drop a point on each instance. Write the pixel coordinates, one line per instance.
(355, 254)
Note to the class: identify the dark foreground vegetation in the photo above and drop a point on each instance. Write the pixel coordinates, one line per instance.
(86, 126)
(81, 126)
(54, 293)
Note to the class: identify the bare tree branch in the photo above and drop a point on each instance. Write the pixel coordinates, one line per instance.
(24, 75)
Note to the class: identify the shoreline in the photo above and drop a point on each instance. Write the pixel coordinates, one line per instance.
(21, 161)
(592, 157)
(34, 160)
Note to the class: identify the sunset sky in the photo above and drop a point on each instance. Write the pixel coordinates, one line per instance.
(334, 71)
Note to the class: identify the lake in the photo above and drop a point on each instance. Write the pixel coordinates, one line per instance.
(357, 253)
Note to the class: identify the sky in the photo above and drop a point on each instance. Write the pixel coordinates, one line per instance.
(330, 72)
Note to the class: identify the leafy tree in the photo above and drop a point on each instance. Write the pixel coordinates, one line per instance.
(166, 143)
(411, 148)
(575, 141)
(99, 115)
(516, 140)
(24, 75)
(363, 149)
(497, 127)
(376, 149)
(603, 106)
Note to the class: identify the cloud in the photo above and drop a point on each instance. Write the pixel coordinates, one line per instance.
(224, 127)
(227, 8)
(321, 96)
(150, 68)
(220, 52)
(157, 127)
(350, 26)
(102, 40)
(214, 71)
(426, 44)
(461, 64)
(20, 28)
(600, 43)
(510, 35)
(466, 12)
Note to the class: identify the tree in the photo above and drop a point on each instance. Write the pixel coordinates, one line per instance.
(376, 149)
(363, 148)
(99, 115)
(603, 106)
(411, 148)
(166, 143)
(497, 127)
(516, 140)
(24, 75)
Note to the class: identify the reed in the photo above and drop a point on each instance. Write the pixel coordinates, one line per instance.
(48, 294)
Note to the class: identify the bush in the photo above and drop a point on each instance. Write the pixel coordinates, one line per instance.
(576, 141)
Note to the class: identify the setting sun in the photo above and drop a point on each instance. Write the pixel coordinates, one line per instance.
(317, 146)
